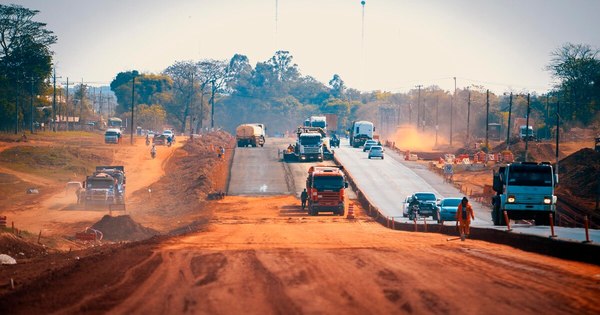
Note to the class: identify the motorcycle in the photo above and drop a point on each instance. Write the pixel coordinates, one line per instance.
(147, 142)
(153, 153)
(413, 213)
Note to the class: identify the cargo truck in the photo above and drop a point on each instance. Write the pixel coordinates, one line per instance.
(250, 135)
(360, 132)
(525, 191)
(325, 186)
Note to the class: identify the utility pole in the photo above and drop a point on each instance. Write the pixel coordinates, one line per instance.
(437, 110)
(54, 103)
(557, 133)
(451, 110)
(527, 128)
(17, 107)
(468, 113)
(132, 106)
(487, 119)
(81, 98)
(212, 105)
(67, 103)
(419, 106)
(191, 106)
(31, 104)
(508, 126)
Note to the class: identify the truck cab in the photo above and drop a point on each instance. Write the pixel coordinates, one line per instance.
(310, 146)
(525, 191)
(325, 186)
(360, 132)
(112, 135)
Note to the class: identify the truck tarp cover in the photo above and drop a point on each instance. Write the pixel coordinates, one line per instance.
(248, 131)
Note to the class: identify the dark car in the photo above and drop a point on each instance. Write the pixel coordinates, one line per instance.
(423, 205)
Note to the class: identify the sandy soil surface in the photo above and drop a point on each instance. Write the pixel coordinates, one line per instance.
(57, 214)
(270, 258)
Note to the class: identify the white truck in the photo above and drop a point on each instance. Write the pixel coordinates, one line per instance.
(525, 191)
(360, 132)
(526, 133)
(318, 122)
(250, 135)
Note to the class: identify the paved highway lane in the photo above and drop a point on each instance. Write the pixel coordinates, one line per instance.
(258, 171)
(386, 183)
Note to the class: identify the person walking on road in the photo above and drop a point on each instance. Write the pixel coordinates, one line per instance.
(304, 198)
(464, 214)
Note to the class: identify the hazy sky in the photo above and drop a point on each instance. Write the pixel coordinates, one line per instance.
(501, 44)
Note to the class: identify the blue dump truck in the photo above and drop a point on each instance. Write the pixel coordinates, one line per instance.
(525, 191)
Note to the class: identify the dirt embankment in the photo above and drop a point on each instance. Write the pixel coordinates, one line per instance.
(191, 174)
(175, 205)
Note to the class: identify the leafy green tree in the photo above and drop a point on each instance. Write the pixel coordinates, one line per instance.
(577, 67)
(337, 86)
(150, 117)
(25, 60)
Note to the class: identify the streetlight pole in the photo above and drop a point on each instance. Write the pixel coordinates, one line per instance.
(418, 106)
(527, 128)
(451, 110)
(508, 126)
(31, 104)
(132, 106)
(468, 114)
(437, 108)
(212, 106)
(487, 119)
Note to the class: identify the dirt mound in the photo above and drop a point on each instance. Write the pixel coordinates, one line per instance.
(191, 174)
(580, 173)
(122, 228)
(17, 248)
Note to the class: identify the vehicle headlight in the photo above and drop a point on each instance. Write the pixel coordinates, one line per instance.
(547, 200)
(510, 199)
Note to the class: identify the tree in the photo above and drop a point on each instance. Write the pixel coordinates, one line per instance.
(25, 59)
(182, 74)
(337, 86)
(150, 117)
(576, 66)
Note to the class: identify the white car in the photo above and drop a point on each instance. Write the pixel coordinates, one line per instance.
(376, 151)
(369, 144)
(169, 133)
(405, 205)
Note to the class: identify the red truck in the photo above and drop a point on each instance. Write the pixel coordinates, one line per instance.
(325, 186)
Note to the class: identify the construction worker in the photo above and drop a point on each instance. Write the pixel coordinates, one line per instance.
(464, 214)
(304, 198)
(221, 152)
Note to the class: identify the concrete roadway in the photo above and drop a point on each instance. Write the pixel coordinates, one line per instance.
(386, 183)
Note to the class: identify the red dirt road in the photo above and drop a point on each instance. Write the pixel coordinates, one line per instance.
(263, 256)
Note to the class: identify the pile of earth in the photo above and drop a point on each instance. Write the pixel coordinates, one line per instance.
(580, 174)
(18, 248)
(122, 228)
(191, 174)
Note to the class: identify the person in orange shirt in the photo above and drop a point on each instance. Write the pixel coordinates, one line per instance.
(464, 214)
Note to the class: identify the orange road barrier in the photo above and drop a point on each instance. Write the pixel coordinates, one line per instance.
(507, 221)
(3, 221)
(586, 224)
(552, 226)
(350, 214)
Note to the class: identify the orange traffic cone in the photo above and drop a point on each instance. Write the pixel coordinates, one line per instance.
(350, 214)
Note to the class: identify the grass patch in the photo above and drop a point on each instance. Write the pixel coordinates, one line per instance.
(63, 162)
